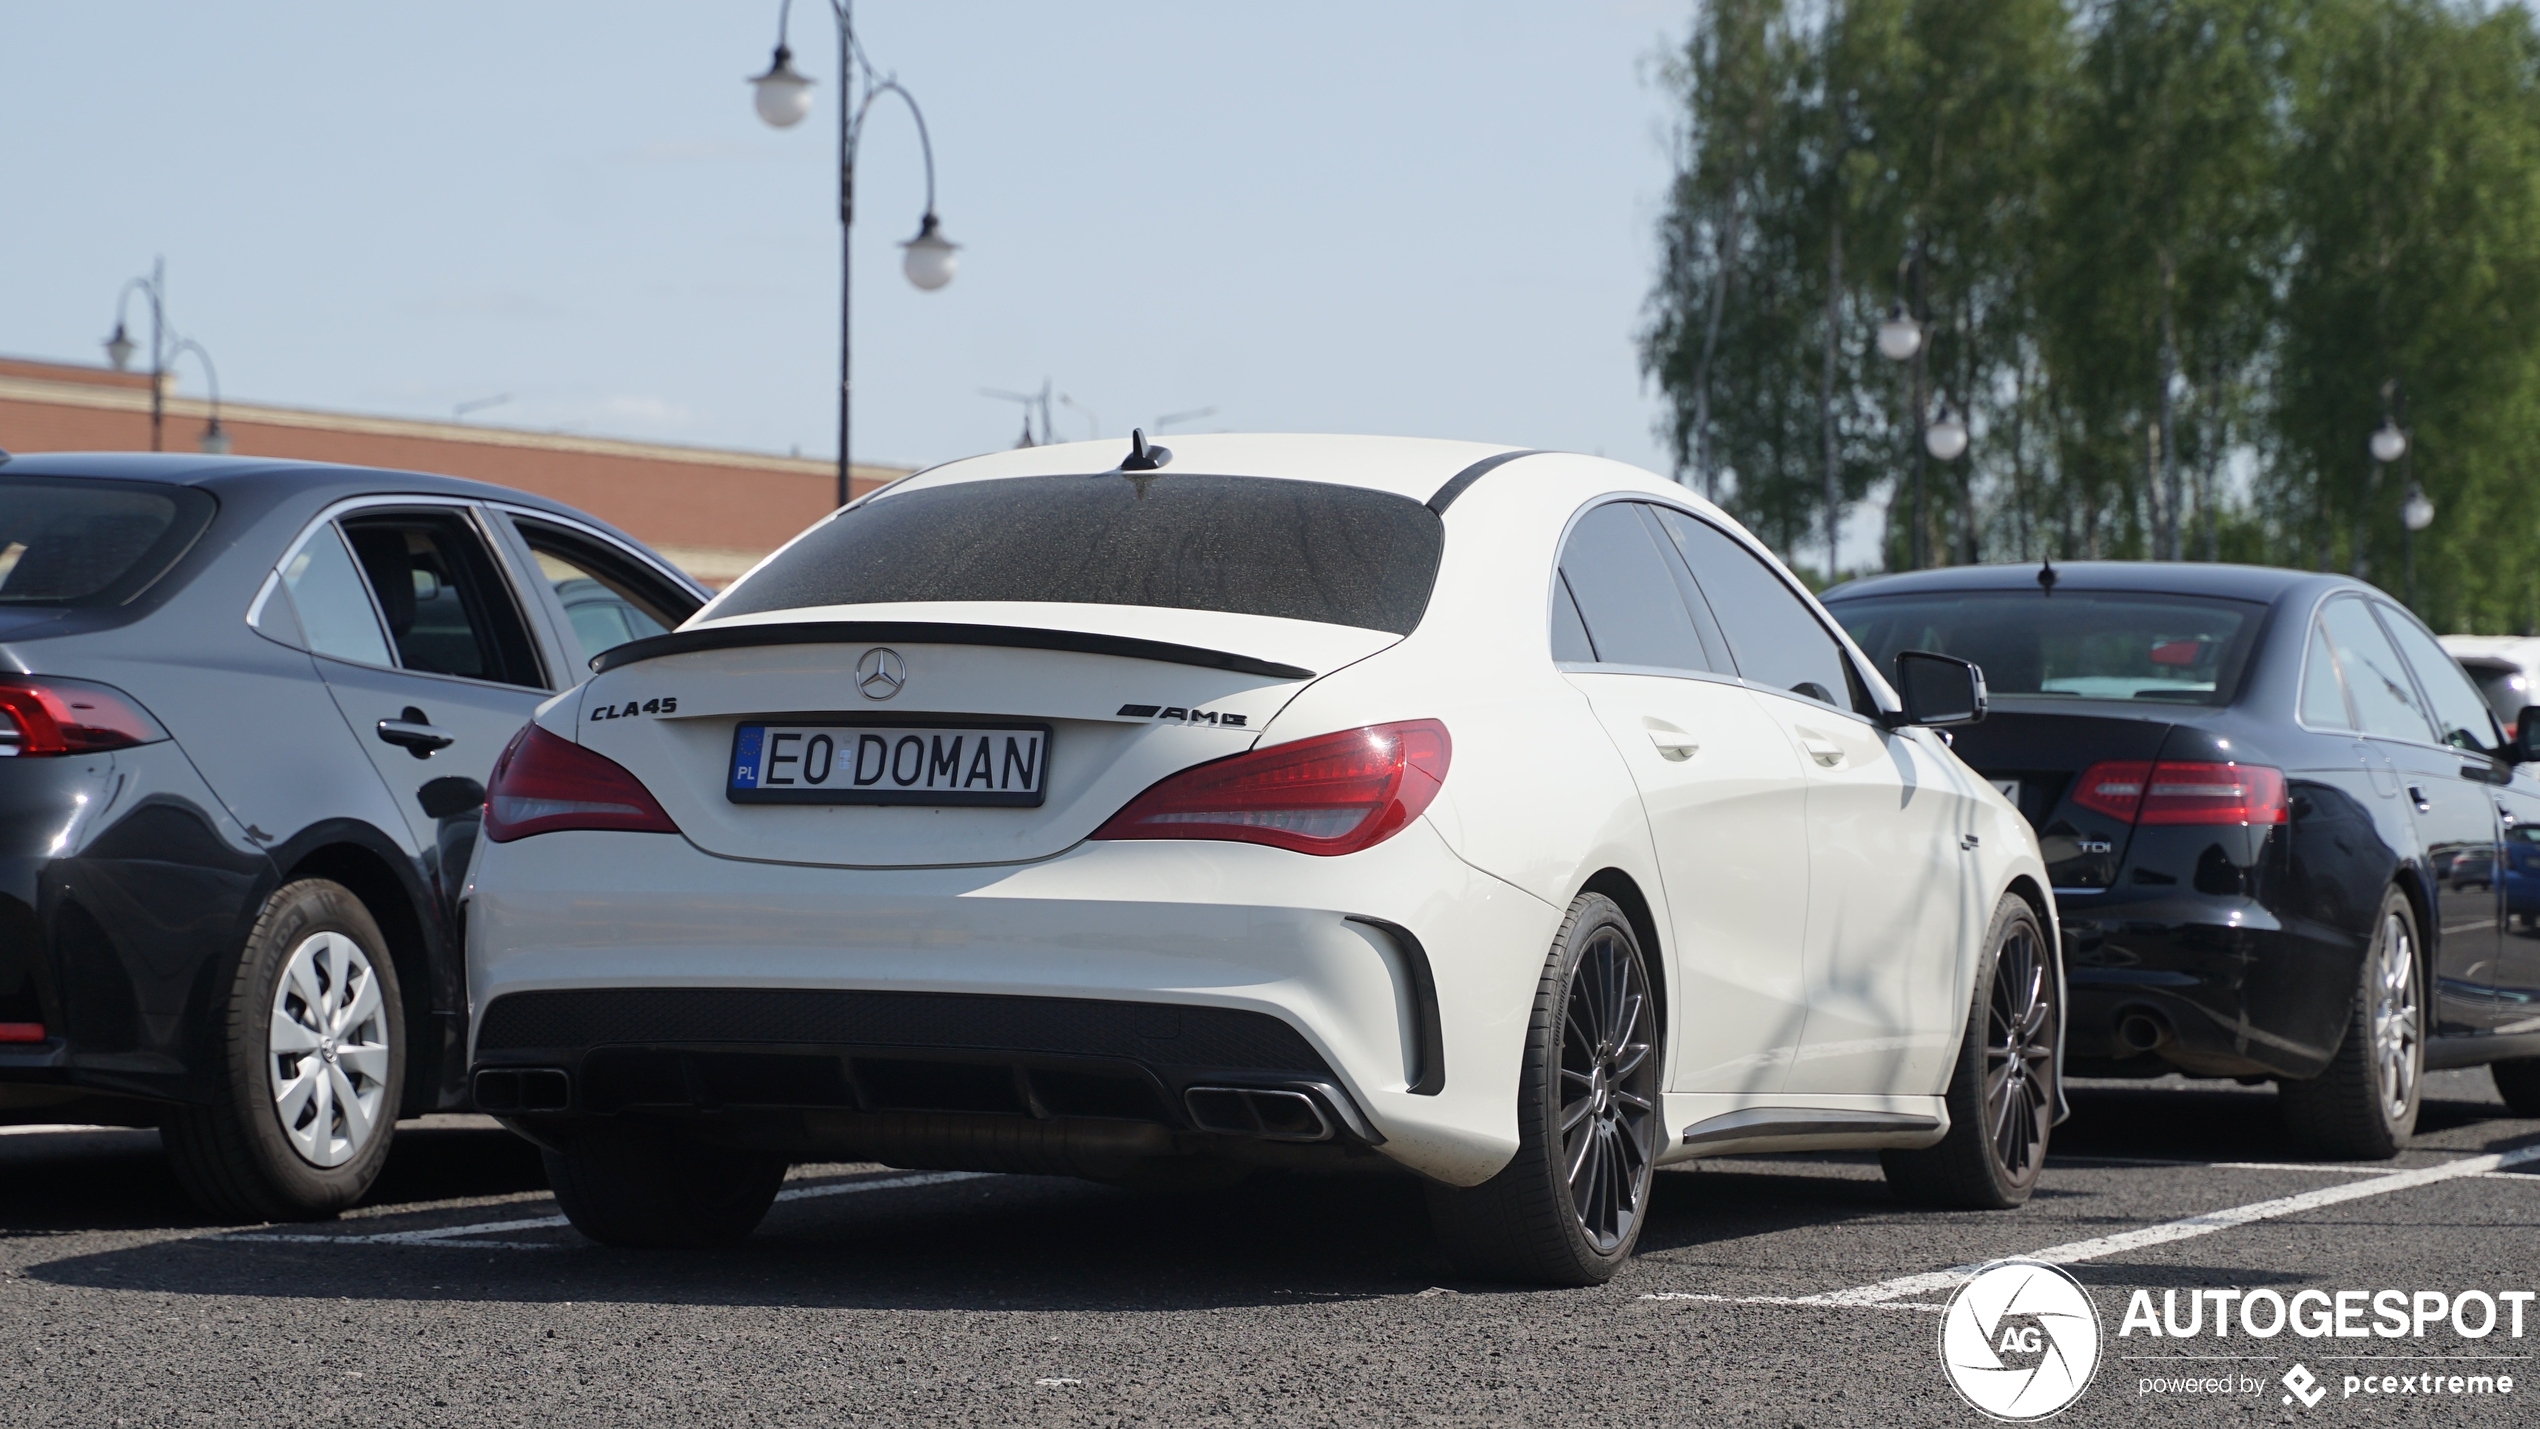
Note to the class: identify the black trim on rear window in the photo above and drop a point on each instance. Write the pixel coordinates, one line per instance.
(1247, 545)
(82, 542)
(918, 632)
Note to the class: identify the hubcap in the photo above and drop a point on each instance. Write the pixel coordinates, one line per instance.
(2395, 1037)
(1609, 1091)
(2019, 1055)
(328, 1050)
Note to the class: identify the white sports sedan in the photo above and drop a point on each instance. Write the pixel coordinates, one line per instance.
(1508, 818)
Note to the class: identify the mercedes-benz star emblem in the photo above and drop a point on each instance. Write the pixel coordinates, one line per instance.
(881, 673)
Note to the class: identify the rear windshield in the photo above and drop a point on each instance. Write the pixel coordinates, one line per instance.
(2096, 645)
(72, 542)
(1304, 550)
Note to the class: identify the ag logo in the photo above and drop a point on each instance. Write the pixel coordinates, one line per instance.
(2020, 1340)
(2305, 1386)
(881, 673)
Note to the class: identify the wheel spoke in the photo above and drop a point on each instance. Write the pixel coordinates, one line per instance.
(1629, 1060)
(1574, 1113)
(370, 1063)
(289, 1036)
(357, 1117)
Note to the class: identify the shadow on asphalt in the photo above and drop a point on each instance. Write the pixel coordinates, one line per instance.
(1008, 1243)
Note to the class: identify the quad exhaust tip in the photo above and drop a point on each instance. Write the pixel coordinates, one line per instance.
(1269, 1113)
(2142, 1030)
(511, 1089)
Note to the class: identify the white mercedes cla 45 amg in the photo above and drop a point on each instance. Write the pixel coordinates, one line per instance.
(1508, 818)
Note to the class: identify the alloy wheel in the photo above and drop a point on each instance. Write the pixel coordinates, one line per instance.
(2019, 1054)
(2395, 1032)
(1609, 1090)
(328, 1050)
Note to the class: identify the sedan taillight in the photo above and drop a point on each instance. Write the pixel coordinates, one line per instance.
(2179, 792)
(40, 715)
(544, 784)
(1334, 794)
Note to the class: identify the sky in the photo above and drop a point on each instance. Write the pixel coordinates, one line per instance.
(1431, 219)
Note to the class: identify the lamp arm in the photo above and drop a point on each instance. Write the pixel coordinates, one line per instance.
(185, 345)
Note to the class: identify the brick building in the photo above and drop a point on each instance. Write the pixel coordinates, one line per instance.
(713, 512)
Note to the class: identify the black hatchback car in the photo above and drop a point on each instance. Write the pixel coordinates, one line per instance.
(246, 712)
(2274, 811)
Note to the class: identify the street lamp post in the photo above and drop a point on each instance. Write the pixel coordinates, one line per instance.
(783, 98)
(1903, 338)
(119, 346)
(2389, 443)
(215, 442)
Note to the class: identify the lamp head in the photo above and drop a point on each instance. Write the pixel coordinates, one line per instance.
(119, 348)
(930, 258)
(2388, 442)
(783, 93)
(1947, 437)
(1900, 337)
(215, 441)
(2417, 512)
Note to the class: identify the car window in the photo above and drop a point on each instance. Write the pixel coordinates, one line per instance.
(336, 616)
(1570, 644)
(445, 604)
(2506, 688)
(1633, 611)
(1299, 550)
(1777, 640)
(2375, 678)
(2323, 696)
(608, 596)
(2069, 644)
(2461, 716)
(77, 542)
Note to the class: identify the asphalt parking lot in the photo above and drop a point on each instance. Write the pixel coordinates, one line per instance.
(1767, 1292)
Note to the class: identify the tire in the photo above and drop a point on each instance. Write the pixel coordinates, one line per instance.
(2363, 1106)
(641, 1187)
(2518, 1082)
(1569, 1208)
(310, 1066)
(2003, 1089)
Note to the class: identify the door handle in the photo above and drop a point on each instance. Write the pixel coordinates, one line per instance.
(1825, 751)
(413, 731)
(1674, 744)
(2416, 796)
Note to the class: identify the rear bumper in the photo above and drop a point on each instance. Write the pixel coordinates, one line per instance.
(1103, 985)
(2218, 984)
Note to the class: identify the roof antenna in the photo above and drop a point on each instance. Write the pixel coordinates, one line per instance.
(1143, 457)
(2046, 576)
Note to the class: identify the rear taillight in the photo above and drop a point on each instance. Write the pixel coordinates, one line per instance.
(1337, 793)
(544, 784)
(21, 1031)
(42, 715)
(2175, 792)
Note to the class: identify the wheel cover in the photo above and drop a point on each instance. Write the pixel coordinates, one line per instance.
(2396, 1041)
(327, 1050)
(1609, 1090)
(2019, 1054)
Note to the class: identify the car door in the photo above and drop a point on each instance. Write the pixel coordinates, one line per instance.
(1723, 790)
(1892, 887)
(2469, 768)
(424, 648)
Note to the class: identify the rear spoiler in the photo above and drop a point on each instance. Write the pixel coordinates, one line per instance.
(918, 632)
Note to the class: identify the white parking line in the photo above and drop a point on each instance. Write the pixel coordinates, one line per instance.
(50, 1127)
(458, 1236)
(1899, 1294)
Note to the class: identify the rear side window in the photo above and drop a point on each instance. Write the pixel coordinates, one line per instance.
(2323, 699)
(1634, 610)
(1300, 550)
(2460, 713)
(2376, 679)
(444, 601)
(67, 542)
(1777, 640)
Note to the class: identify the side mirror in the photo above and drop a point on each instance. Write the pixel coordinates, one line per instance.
(1939, 690)
(2526, 748)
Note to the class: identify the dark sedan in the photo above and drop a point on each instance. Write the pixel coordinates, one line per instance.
(246, 712)
(2273, 809)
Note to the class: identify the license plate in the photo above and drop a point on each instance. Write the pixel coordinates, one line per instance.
(2010, 789)
(806, 763)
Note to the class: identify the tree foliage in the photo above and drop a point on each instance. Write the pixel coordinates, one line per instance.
(2174, 260)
